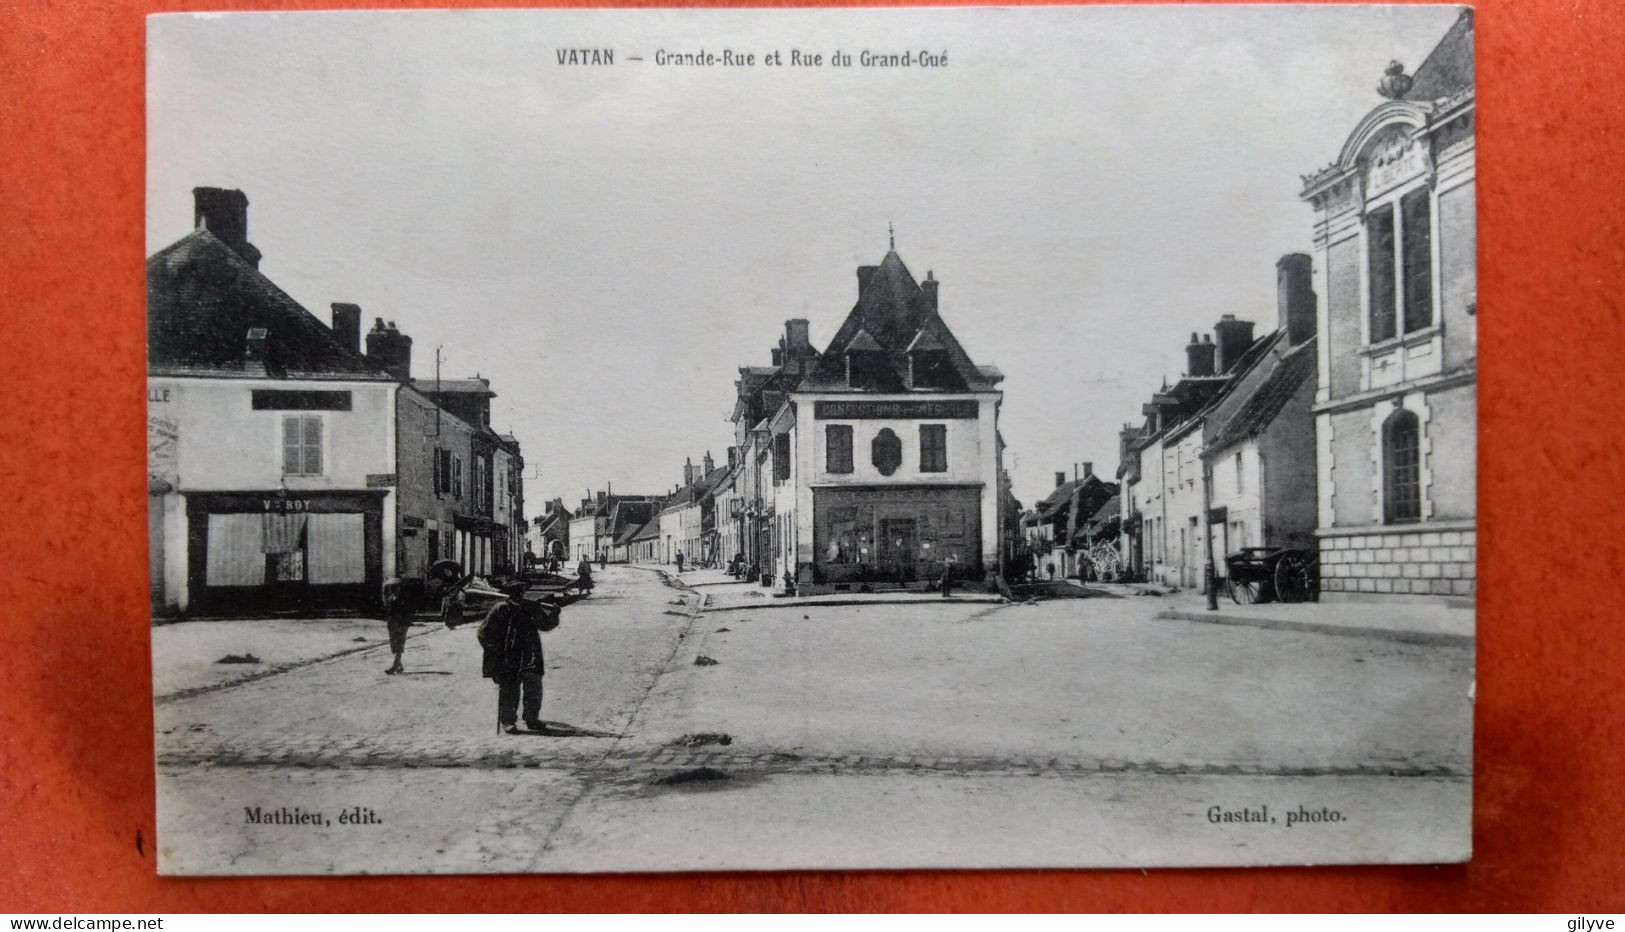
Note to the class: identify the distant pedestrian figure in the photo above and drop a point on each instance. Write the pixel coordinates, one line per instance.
(679, 561)
(1050, 569)
(511, 636)
(584, 574)
(947, 578)
(400, 604)
(603, 558)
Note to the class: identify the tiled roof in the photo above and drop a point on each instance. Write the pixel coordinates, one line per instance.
(1266, 401)
(649, 530)
(203, 298)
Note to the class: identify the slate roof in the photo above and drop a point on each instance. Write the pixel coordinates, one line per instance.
(649, 530)
(1266, 401)
(1448, 69)
(1111, 510)
(892, 311)
(202, 299)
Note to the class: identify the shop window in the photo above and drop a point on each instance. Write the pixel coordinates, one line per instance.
(838, 448)
(933, 448)
(301, 445)
(1402, 468)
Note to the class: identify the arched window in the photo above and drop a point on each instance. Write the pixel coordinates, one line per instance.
(1402, 467)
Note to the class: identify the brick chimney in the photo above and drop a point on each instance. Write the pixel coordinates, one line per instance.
(928, 288)
(224, 213)
(1060, 478)
(709, 465)
(688, 471)
(1199, 356)
(1233, 337)
(778, 357)
(390, 349)
(865, 272)
(1088, 469)
(347, 326)
(1295, 297)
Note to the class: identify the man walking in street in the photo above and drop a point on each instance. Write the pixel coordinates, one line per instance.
(511, 636)
(584, 573)
(400, 604)
(679, 561)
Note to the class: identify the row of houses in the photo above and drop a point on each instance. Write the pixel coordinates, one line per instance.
(874, 463)
(1348, 428)
(296, 463)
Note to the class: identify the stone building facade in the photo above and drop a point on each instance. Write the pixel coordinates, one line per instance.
(1396, 398)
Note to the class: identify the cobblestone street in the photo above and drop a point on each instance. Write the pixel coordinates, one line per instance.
(1018, 734)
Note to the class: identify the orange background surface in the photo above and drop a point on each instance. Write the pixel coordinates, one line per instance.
(76, 722)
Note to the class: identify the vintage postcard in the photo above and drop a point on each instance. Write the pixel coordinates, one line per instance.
(671, 440)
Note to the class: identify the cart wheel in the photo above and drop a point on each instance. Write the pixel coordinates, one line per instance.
(1249, 591)
(1295, 578)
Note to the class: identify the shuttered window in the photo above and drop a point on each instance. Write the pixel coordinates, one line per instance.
(1416, 257)
(301, 446)
(933, 448)
(838, 448)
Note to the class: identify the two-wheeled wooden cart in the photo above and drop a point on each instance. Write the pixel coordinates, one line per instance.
(1272, 574)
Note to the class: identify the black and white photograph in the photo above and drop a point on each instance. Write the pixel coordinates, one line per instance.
(735, 440)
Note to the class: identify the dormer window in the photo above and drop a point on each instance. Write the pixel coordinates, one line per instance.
(865, 363)
(928, 363)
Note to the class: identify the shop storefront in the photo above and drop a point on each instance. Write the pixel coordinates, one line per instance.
(896, 534)
(281, 551)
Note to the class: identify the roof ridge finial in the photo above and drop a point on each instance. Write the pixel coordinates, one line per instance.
(891, 234)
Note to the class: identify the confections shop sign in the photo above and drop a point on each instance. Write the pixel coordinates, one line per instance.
(901, 410)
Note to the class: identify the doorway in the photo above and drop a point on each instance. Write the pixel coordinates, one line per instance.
(898, 546)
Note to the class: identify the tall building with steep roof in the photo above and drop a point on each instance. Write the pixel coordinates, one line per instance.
(885, 455)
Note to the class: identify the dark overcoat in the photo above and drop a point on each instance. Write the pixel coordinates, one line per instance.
(512, 640)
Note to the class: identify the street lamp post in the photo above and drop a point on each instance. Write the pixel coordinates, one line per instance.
(1209, 571)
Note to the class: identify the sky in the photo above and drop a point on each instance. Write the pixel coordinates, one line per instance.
(609, 244)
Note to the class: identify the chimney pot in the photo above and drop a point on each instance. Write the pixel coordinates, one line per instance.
(1295, 297)
(390, 349)
(865, 273)
(1198, 357)
(1233, 338)
(347, 326)
(224, 213)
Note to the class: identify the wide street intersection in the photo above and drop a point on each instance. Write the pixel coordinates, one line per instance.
(1066, 732)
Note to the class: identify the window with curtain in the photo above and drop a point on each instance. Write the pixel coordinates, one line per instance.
(301, 445)
(1402, 468)
(838, 448)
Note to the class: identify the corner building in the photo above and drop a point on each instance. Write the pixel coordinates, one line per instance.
(1396, 401)
(886, 454)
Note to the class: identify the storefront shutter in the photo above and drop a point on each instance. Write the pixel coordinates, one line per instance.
(235, 554)
(336, 549)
